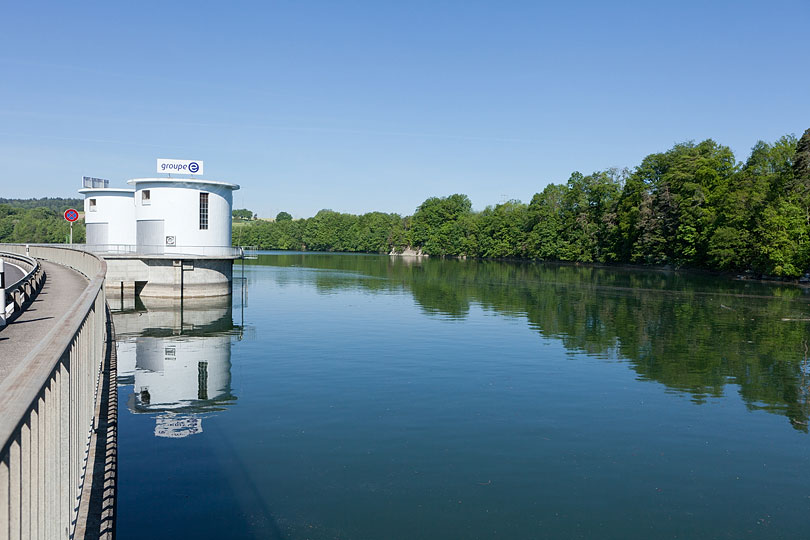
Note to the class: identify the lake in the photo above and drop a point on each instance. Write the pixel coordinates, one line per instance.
(362, 397)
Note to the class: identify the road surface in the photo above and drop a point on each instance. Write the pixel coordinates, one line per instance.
(13, 273)
(62, 288)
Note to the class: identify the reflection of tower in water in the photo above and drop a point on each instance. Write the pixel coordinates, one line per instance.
(177, 357)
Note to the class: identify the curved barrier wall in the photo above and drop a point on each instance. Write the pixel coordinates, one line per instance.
(48, 406)
(25, 288)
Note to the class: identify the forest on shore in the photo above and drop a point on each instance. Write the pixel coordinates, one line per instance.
(39, 221)
(691, 206)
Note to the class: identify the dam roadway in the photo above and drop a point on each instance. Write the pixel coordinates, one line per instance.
(58, 399)
(13, 272)
(62, 288)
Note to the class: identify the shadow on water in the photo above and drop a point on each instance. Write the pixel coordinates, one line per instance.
(693, 333)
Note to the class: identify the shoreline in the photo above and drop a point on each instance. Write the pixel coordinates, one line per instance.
(410, 253)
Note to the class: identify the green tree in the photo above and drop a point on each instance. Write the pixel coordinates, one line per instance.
(783, 234)
(801, 162)
(57, 204)
(545, 221)
(667, 210)
(502, 231)
(37, 225)
(242, 213)
(737, 241)
(283, 216)
(589, 217)
(440, 225)
(800, 184)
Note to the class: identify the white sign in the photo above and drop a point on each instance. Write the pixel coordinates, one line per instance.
(179, 166)
(177, 426)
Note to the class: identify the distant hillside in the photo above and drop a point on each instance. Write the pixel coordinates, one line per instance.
(57, 204)
(39, 220)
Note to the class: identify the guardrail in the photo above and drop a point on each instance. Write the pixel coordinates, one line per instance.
(227, 252)
(48, 405)
(249, 252)
(21, 290)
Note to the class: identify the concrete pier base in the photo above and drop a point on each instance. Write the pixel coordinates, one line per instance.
(168, 276)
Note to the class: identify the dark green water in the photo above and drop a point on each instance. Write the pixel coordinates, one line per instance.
(364, 397)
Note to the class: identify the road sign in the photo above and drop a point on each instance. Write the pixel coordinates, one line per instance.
(71, 215)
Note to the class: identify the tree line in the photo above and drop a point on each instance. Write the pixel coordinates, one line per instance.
(21, 223)
(692, 206)
(243, 214)
(57, 204)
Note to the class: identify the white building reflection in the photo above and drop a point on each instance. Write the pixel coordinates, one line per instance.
(174, 360)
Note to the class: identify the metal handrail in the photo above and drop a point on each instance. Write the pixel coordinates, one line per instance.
(156, 249)
(48, 404)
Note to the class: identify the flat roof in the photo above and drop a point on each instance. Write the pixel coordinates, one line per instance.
(136, 181)
(108, 190)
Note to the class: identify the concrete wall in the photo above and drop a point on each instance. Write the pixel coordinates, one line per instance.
(116, 207)
(209, 315)
(48, 406)
(169, 278)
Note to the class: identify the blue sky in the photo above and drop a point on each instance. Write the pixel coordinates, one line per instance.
(361, 106)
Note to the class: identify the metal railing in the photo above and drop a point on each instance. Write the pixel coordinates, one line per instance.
(250, 253)
(48, 404)
(226, 252)
(19, 292)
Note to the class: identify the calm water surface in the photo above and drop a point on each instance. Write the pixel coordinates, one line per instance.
(365, 397)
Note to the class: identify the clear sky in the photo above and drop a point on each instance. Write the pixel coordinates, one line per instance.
(360, 106)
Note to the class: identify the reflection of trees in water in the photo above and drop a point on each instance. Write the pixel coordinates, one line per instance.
(693, 333)
(804, 390)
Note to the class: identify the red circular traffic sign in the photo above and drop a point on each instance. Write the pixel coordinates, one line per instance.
(71, 215)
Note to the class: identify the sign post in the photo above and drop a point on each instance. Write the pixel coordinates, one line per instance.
(71, 215)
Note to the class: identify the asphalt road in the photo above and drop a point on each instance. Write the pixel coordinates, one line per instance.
(61, 289)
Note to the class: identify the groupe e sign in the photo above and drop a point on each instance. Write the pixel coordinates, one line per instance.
(185, 166)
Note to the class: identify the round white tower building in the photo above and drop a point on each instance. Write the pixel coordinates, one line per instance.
(109, 215)
(183, 216)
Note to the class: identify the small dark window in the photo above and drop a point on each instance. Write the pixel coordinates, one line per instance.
(202, 380)
(92, 205)
(146, 197)
(203, 211)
